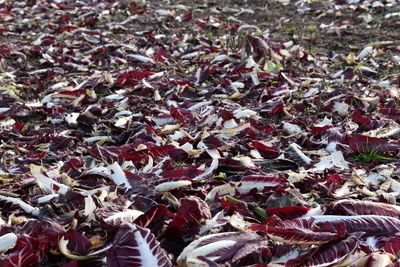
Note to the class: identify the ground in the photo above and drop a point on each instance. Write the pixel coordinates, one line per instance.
(199, 133)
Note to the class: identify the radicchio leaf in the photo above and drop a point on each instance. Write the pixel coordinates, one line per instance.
(131, 77)
(266, 151)
(215, 249)
(7, 241)
(365, 144)
(134, 246)
(157, 151)
(169, 186)
(283, 253)
(359, 207)
(390, 244)
(16, 202)
(118, 212)
(154, 216)
(118, 176)
(118, 217)
(71, 202)
(47, 184)
(246, 184)
(318, 229)
(192, 212)
(181, 114)
(290, 212)
(28, 251)
(370, 224)
(46, 229)
(375, 259)
(78, 243)
(326, 254)
(296, 235)
(182, 173)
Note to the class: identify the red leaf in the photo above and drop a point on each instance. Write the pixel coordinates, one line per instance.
(319, 130)
(371, 224)
(300, 236)
(78, 243)
(131, 77)
(390, 112)
(134, 246)
(192, 212)
(104, 153)
(28, 252)
(186, 17)
(266, 151)
(4, 51)
(359, 118)
(156, 213)
(182, 115)
(181, 173)
(225, 249)
(359, 207)
(290, 212)
(392, 246)
(213, 142)
(230, 207)
(157, 151)
(365, 144)
(326, 254)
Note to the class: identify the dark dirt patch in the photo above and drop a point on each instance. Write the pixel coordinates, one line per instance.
(286, 22)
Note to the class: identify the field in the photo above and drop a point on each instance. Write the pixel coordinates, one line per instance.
(199, 133)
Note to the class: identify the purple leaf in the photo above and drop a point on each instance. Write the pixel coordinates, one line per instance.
(259, 181)
(155, 215)
(157, 151)
(78, 243)
(326, 254)
(365, 144)
(392, 245)
(359, 207)
(216, 249)
(47, 229)
(116, 213)
(370, 224)
(295, 235)
(192, 212)
(181, 114)
(289, 212)
(27, 252)
(130, 78)
(181, 173)
(266, 151)
(134, 246)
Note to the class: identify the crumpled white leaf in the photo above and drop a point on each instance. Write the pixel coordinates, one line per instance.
(118, 175)
(7, 241)
(213, 166)
(341, 108)
(168, 186)
(335, 159)
(23, 205)
(47, 184)
(290, 128)
(126, 215)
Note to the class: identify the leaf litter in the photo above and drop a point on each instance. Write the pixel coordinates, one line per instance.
(199, 134)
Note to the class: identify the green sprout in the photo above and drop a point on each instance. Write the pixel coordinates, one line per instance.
(371, 157)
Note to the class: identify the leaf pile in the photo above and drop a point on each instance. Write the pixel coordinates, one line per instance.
(139, 133)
